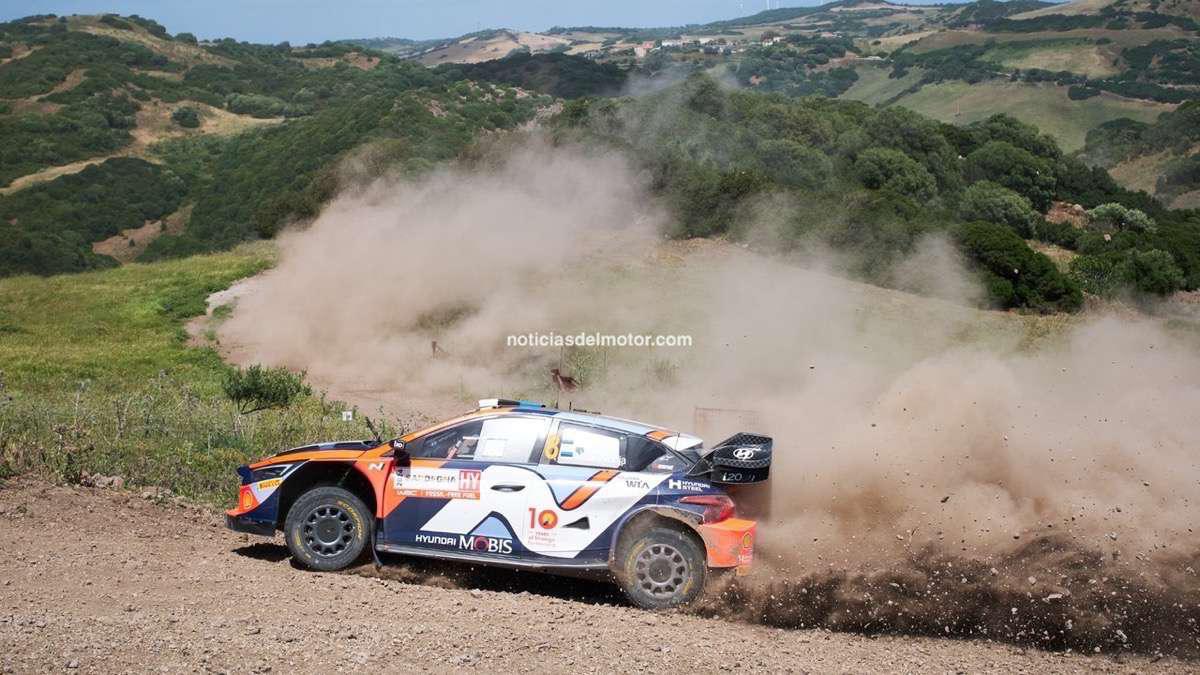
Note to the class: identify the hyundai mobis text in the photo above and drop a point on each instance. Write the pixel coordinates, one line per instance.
(518, 484)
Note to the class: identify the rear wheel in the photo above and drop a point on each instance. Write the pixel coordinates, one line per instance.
(660, 568)
(327, 528)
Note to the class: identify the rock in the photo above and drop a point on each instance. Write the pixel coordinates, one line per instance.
(72, 664)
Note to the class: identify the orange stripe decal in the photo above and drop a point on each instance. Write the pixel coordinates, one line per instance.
(585, 492)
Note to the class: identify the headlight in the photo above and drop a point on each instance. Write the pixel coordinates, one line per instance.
(267, 472)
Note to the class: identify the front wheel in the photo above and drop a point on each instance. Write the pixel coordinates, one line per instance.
(661, 568)
(327, 528)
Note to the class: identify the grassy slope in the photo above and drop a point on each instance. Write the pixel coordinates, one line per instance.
(113, 325)
(1097, 61)
(1120, 37)
(102, 381)
(874, 86)
(1045, 106)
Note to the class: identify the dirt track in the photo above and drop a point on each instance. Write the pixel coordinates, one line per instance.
(104, 580)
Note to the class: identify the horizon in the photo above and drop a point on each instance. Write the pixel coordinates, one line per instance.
(275, 21)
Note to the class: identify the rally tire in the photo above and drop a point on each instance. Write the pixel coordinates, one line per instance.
(327, 528)
(661, 568)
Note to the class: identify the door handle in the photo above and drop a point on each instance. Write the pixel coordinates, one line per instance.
(508, 488)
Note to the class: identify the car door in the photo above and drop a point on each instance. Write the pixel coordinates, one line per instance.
(588, 489)
(466, 488)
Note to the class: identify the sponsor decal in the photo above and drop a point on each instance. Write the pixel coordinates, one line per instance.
(467, 542)
(481, 544)
(269, 484)
(688, 485)
(746, 555)
(435, 539)
(743, 453)
(437, 483)
(637, 484)
(375, 466)
(547, 519)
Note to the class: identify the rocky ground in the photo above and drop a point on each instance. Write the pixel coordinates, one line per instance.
(117, 580)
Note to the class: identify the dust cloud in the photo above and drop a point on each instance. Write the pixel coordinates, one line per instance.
(939, 469)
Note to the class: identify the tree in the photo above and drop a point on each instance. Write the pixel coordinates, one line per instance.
(258, 388)
(884, 168)
(1014, 168)
(995, 203)
(186, 117)
(1031, 277)
(1152, 272)
(1114, 216)
(794, 165)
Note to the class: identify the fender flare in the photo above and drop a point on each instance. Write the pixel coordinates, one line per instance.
(687, 518)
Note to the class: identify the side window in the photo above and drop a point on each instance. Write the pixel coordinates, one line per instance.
(589, 446)
(498, 439)
(459, 441)
(511, 439)
(605, 449)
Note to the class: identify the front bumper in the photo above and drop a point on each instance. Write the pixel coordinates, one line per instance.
(249, 525)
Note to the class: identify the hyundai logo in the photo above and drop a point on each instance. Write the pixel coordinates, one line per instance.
(743, 453)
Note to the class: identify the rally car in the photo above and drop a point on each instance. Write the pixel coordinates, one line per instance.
(518, 484)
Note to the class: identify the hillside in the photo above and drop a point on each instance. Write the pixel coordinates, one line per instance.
(1067, 68)
(228, 140)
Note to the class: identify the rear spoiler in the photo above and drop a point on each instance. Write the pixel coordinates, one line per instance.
(741, 458)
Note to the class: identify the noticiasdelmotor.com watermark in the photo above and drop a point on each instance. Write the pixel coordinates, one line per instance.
(597, 340)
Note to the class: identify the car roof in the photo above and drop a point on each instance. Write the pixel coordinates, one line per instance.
(578, 416)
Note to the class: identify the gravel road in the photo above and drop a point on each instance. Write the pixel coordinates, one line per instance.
(114, 580)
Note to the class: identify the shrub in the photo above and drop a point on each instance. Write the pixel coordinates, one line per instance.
(1016, 169)
(1035, 281)
(1113, 216)
(1097, 274)
(1153, 272)
(794, 165)
(257, 388)
(884, 168)
(186, 117)
(994, 203)
(1081, 93)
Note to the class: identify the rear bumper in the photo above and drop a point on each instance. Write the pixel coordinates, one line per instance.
(249, 525)
(730, 543)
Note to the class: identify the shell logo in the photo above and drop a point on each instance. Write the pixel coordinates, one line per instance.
(547, 519)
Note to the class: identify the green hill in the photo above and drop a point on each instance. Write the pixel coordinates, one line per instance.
(151, 146)
(80, 92)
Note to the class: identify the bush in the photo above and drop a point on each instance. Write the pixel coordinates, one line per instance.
(1153, 272)
(994, 203)
(257, 388)
(1097, 274)
(186, 117)
(1034, 280)
(1113, 216)
(794, 165)
(884, 168)
(1016, 169)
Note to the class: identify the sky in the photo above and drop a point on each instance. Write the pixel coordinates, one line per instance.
(303, 21)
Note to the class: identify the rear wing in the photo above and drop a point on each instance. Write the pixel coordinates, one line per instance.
(741, 458)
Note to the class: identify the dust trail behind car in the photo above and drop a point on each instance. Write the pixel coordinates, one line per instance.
(938, 469)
